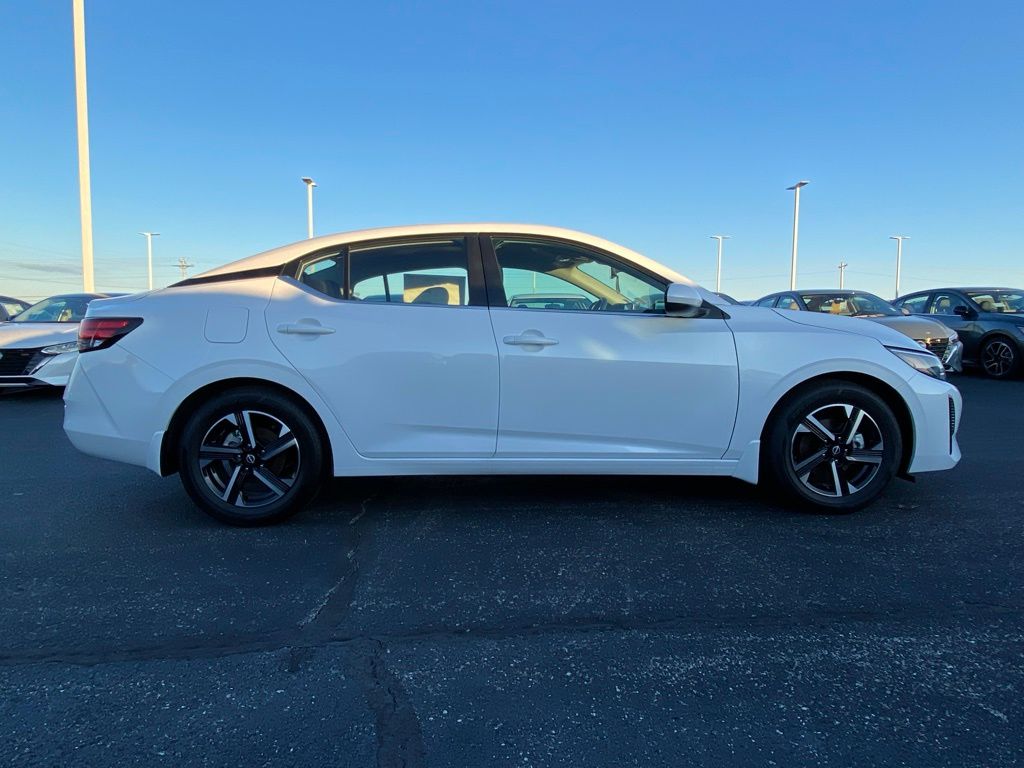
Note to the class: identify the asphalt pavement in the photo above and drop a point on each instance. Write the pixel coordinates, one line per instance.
(610, 621)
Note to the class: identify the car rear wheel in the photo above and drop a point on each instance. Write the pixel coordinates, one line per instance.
(834, 448)
(250, 456)
(999, 358)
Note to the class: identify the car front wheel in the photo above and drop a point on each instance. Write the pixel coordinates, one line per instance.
(834, 447)
(999, 358)
(250, 457)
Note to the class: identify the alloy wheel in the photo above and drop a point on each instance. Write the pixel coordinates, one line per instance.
(836, 450)
(997, 358)
(249, 458)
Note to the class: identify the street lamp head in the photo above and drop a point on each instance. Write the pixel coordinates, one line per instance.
(899, 237)
(307, 180)
(149, 234)
(721, 237)
(798, 185)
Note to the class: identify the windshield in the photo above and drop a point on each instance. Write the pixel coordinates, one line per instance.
(849, 304)
(1010, 302)
(56, 309)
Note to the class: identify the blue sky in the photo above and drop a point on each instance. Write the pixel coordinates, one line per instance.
(651, 124)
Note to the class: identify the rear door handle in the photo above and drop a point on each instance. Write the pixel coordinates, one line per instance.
(306, 329)
(530, 340)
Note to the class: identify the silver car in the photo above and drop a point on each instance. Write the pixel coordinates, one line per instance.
(930, 334)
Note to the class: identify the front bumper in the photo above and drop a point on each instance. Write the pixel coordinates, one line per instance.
(44, 371)
(953, 360)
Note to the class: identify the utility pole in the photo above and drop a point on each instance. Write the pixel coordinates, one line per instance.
(718, 271)
(149, 254)
(899, 259)
(842, 269)
(309, 205)
(796, 230)
(183, 266)
(82, 121)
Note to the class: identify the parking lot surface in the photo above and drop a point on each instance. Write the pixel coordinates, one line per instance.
(511, 621)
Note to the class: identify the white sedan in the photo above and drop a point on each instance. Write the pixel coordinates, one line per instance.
(396, 352)
(39, 346)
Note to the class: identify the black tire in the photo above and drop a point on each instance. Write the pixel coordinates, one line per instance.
(250, 482)
(798, 439)
(999, 358)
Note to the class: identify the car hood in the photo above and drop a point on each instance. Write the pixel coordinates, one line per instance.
(23, 335)
(887, 336)
(915, 327)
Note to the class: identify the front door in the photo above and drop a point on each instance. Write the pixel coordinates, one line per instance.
(397, 340)
(591, 367)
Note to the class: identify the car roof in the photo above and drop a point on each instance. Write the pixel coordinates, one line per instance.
(286, 253)
(84, 296)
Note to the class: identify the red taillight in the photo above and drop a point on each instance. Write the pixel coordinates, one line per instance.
(100, 332)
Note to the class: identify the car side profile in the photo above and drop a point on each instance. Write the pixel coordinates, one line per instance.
(989, 321)
(257, 379)
(926, 332)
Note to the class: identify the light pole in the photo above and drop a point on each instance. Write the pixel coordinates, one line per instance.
(82, 120)
(718, 272)
(309, 204)
(149, 254)
(842, 269)
(796, 230)
(899, 259)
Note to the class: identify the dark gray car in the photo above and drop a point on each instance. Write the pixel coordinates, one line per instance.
(9, 307)
(990, 322)
(929, 333)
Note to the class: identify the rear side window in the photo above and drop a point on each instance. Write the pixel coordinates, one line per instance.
(432, 272)
(788, 302)
(768, 302)
(915, 304)
(325, 275)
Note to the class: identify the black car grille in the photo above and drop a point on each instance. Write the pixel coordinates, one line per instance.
(18, 362)
(937, 347)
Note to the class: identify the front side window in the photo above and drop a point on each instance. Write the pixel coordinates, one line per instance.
(425, 272)
(944, 304)
(547, 274)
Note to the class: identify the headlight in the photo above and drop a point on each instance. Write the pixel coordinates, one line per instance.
(925, 362)
(60, 349)
(953, 338)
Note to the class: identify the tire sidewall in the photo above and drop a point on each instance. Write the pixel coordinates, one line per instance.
(298, 421)
(779, 460)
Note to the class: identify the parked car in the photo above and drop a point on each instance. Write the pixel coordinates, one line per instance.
(39, 345)
(929, 333)
(990, 322)
(550, 301)
(9, 307)
(254, 380)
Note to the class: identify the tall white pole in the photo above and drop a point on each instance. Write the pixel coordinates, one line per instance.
(899, 259)
(82, 119)
(309, 205)
(796, 230)
(718, 271)
(842, 269)
(149, 254)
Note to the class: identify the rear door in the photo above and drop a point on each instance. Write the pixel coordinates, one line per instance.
(395, 336)
(616, 379)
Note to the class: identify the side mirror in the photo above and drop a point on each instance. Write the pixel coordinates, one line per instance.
(682, 300)
(965, 312)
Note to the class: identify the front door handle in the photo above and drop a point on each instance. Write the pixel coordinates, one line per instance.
(530, 339)
(306, 329)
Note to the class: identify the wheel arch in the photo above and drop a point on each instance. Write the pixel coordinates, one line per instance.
(169, 445)
(889, 395)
